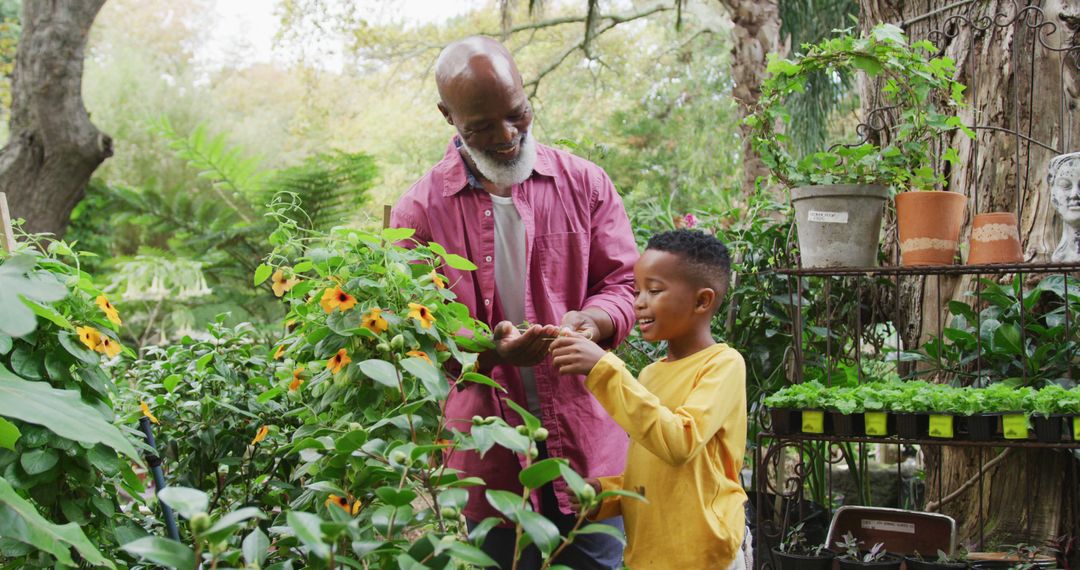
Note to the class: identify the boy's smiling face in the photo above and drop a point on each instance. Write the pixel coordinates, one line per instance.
(668, 305)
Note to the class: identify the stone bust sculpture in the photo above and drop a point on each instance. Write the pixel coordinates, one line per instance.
(1063, 178)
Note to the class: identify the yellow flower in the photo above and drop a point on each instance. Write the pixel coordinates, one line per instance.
(261, 435)
(422, 314)
(108, 347)
(281, 284)
(438, 281)
(89, 336)
(338, 361)
(296, 380)
(374, 322)
(336, 299)
(419, 354)
(110, 311)
(279, 352)
(146, 412)
(343, 504)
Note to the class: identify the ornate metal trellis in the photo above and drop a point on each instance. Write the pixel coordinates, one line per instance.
(784, 465)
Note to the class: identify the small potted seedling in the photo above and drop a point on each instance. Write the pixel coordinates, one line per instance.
(943, 561)
(795, 554)
(855, 558)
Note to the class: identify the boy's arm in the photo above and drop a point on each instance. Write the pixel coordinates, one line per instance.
(674, 435)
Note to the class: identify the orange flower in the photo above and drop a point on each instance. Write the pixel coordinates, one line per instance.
(110, 311)
(419, 354)
(338, 361)
(296, 380)
(336, 299)
(261, 435)
(279, 352)
(343, 504)
(374, 322)
(281, 284)
(146, 412)
(108, 347)
(438, 281)
(89, 336)
(422, 314)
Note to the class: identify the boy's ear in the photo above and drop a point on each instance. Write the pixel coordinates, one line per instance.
(705, 300)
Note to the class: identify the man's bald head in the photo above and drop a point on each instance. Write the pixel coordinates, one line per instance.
(473, 65)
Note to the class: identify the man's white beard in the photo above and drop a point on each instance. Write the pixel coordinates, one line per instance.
(506, 174)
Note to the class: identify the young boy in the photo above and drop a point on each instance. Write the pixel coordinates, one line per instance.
(686, 414)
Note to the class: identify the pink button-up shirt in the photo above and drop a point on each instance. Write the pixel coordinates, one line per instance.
(579, 253)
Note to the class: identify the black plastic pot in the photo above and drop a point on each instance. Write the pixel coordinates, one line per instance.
(918, 564)
(846, 425)
(783, 420)
(788, 561)
(912, 426)
(887, 562)
(1048, 428)
(982, 427)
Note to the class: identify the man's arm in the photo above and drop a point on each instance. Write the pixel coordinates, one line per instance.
(609, 300)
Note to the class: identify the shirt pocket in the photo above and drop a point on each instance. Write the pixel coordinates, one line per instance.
(562, 261)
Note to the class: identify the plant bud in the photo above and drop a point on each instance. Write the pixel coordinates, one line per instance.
(199, 522)
(398, 342)
(533, 453)
(383, 347)
(588, 493)
(448, 513)
(399, 457)
(448, 538)
(478, 420)
(541, 434)
(523, 430)
(353, 426)
(491, 419)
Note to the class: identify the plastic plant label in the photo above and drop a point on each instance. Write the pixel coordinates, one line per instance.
(1015, 426)
(1076, 428)
(827, 217)
(941, 425)
(876, 423)
(813, 421)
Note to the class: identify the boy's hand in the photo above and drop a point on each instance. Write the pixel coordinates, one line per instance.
(575, 502)
(572, 353)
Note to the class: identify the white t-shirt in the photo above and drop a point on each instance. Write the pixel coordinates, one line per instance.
(510, 279)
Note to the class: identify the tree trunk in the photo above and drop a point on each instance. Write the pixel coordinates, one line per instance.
(1028, 497)
(756, 33)
(54, 148)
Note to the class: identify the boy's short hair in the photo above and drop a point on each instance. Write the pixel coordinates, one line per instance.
(709, 263)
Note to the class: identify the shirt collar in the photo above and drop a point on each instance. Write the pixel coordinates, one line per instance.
(458, 176)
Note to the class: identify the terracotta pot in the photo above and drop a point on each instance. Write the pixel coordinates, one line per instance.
(929, 226)
(995, 239)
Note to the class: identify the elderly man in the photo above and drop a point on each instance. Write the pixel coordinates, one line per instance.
(553, 246)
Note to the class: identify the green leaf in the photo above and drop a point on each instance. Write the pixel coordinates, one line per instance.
(171, 381)
(75, 347)
(38, 461)
(434, 380)
(62, 411)
(9, 434)
(868, 64)
(507, 503)
(351, 441)
(19, 520)
(397, 234)
(185, 500)
(262, 273)
(395, 497)
(1008, 336)
(530, 420)
(458, 262)
(17, 283)
(5, 344)
(471, 555)
(540, 473)
(256, 547)
(601, 528)
(308, 529)
(162, 551)
(380, 371)
(481, 379)
(543, 532)
(203, 361)
(48, 313)
(229, 523)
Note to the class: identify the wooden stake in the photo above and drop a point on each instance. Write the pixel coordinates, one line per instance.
(6, 234)
(386, 216)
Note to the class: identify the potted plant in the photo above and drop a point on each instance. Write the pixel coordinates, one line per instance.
(910, 407)
(794, 553)
(807, 398)
(1049, 407)
(943, 407)
(845, 405)
(854, 558)
(838, 192)
(875, 398)
(943, 561)
(1011, 403)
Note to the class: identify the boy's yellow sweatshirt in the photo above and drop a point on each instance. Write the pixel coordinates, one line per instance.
(687, 424)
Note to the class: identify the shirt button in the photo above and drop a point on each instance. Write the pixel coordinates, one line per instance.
(487, 302)
(487, 213)
(488, 259)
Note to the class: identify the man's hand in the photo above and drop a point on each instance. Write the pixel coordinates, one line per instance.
(523, 348)
(582, 322)
(575, 502)
(575, 354)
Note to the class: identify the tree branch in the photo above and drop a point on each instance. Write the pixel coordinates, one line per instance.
(935, 505)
